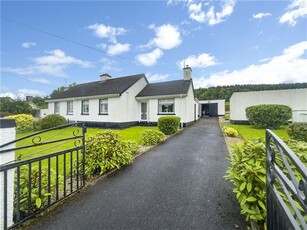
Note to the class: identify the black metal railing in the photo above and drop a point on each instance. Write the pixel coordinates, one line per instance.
(286, 186)
(48, 168)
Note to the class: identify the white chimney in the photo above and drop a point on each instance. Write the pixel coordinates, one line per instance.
(187, 73)
(104, 77)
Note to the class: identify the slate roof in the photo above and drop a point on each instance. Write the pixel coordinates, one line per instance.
(166, 88)
(110, 86)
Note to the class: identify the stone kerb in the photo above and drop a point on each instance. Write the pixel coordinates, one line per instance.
(7, 134)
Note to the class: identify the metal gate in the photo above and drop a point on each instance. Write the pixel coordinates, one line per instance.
(48, 167)
(286, 186)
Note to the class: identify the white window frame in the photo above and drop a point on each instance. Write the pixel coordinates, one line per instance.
(166, 102)
(103, 106)
(70, 108)
(85, 104)
(56, 107)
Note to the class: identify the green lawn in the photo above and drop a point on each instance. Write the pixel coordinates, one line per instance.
(249, 132)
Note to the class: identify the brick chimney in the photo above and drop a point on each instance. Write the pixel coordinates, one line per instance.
(104, 77)
(187, 73)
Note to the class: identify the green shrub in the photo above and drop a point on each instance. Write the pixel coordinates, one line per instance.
(169, 124)
(105, 152)
(52, 120)
(151, 137)
(37, 201)
(231, 132)
(298, 131)
(248, 173)
(24, 122)
(268, 116)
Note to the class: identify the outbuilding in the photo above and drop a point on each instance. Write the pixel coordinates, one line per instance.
(212, 108)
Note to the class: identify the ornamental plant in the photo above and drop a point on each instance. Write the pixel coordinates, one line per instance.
(298, 131)
(24, 122)
(151, 137)
(105, 151)
(231, 132)
(268, 116)
(51, 121)
(169, 124)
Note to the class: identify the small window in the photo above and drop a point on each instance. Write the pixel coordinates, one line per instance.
(57, 107)
(103, 106)
(167, 106)
(85, 107)
(70, 107)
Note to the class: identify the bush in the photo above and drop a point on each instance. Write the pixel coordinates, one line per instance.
(268, 116)
(231, 132)
(151, 137)
(5, 114)
(248, 174)
(105, 152)
(298, 131)
(169, 124)
(24, 122)
(52, 120)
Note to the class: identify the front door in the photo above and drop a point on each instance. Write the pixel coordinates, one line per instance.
(144, 111)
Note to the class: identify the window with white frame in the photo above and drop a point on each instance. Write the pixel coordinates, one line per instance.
(166, 106)
(103, 106)
(70, 107)
(57, 107)
(85, 107)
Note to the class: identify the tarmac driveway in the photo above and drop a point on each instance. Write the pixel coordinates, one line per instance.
(177, 185)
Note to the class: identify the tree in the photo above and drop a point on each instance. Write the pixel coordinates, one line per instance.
(15, 106)
(61, 89)
(40, 102)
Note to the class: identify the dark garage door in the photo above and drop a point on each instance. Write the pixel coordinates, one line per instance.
(209, 109)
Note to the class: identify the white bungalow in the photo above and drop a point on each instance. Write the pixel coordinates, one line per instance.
(126, 101)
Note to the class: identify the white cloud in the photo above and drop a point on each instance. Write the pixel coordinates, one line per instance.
(156, 77)
(108, 65)
(109, 32)
(9, 94)
(102, 46)
(290, 66)
(167, 37)
(297, 9)
(261, 15)
(118, 48)
(201, 61)
(53, 64)
(41, 80)
(211, 17)
(149, 59)
(28, 45)
(30, 92)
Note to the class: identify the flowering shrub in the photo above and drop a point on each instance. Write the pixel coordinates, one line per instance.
(24, 122)
(231, 132)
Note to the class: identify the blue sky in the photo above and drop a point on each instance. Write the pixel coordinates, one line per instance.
(45, 45)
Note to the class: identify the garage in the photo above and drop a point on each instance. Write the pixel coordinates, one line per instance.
(212, 108)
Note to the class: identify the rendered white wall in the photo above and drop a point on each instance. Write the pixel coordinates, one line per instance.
(124, 108)
(294, 98)
(7, 135)
(220, 105)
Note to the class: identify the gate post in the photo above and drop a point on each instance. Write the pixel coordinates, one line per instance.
(7, 134)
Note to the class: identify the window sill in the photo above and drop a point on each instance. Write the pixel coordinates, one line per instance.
(166, 114)
(85, 114)
(103, 114)
(69, 114)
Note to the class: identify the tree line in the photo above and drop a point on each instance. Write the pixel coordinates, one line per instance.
(225, 92)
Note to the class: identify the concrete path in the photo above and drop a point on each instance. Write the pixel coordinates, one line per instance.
(177, 185)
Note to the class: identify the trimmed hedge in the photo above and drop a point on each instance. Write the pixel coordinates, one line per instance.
(169, 124)
(298, 131)
(268, 116)
(151, 137)
(24, 122)
(52, 120)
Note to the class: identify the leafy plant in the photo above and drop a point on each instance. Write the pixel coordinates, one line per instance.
(169, 124)
(38, 200)
(52, 120)
(24, 122)
(151, 137)
(268, 116)
(105, 152)
(298, 131)
(231, 132)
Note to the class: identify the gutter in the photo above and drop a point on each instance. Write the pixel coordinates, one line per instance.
(160, 96)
